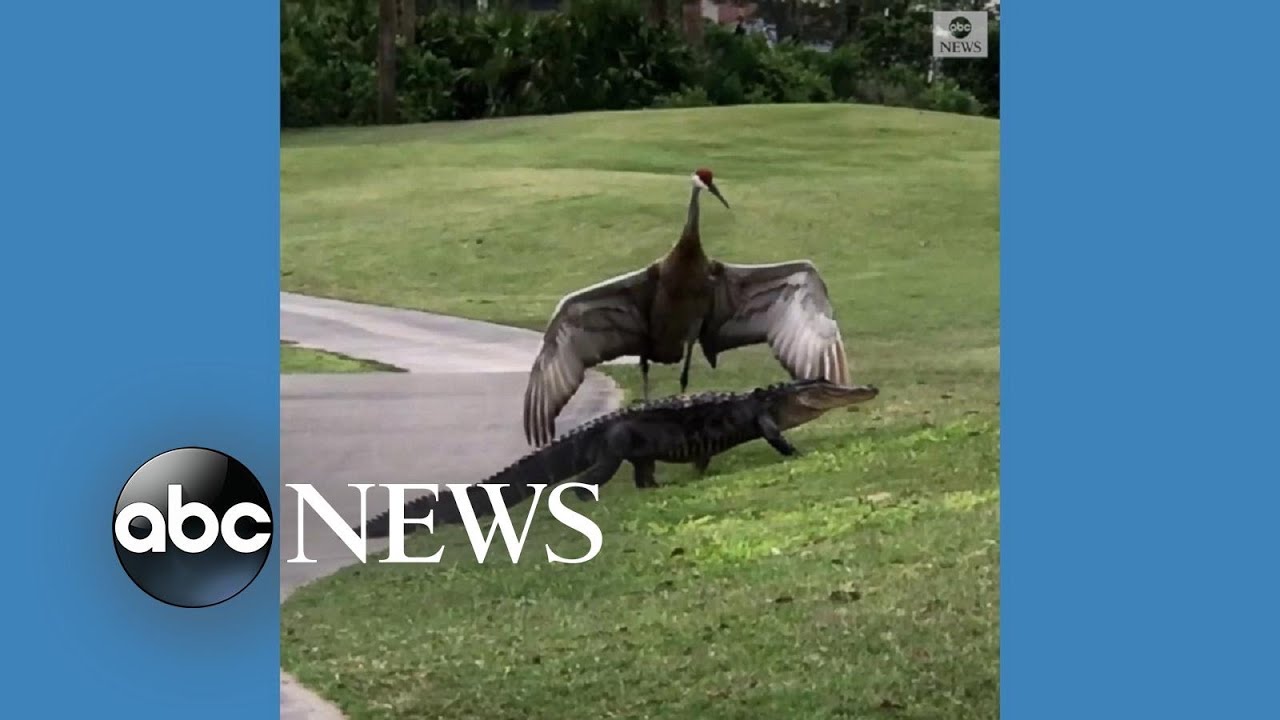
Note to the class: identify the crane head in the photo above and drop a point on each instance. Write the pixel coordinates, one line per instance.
(702, 179)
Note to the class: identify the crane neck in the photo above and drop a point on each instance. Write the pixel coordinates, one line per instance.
(691, 239)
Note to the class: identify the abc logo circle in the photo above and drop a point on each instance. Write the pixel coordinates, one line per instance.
(192, 527)
(960, 28)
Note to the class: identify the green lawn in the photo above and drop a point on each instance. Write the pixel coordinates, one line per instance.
(857, 581)
(294, 359)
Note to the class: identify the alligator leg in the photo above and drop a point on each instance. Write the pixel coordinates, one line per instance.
(702, 463)
(644, 470)
(598, 475)
(769, 429)
(613, 449)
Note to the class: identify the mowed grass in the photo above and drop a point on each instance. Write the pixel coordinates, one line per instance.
(294, 359)
(859, 580)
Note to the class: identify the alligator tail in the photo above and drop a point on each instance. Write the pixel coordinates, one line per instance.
(561, 460)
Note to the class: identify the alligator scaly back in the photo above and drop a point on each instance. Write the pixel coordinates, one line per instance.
(562, 459)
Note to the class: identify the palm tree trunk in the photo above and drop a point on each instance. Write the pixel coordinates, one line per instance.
(692, 10)
(387, 25)
(852, 13)
(658, 12)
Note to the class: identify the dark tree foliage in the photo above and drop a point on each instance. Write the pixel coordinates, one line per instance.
(612, 54)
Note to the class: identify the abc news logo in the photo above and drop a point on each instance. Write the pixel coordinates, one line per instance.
(193, 527)
(959, 34)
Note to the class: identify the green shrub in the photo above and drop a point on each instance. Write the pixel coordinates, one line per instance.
(327, 72)
(980, 76)
(791, 75)
(686, 98)
(904, 39)
(945, 95)
(731, 65)
(601, 54)
(424, 85)
(896, 86)
(844, 67)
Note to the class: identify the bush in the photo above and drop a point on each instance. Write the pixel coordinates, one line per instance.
(792, 74)
(904, 39)
(896, 86)
(844, 67)
(601, 55)
(327, 71)
(741, 69)
(424, 85)
(945, 95)
(685, 98)
(899, 87)
(981, 76)
(731, 65)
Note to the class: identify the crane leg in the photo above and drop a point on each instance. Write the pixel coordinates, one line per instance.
(644, 374)
(684, 374)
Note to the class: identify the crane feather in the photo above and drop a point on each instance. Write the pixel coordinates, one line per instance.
(590, 326)
(784, 305)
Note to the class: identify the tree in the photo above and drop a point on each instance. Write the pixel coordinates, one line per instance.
(852, 13)
(408, 11)
(388, 23)
(693, 21)
(659, 12)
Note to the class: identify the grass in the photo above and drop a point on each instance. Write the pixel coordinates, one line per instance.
(859, 580)
(294, 359)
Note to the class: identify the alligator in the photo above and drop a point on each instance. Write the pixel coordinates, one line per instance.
(679, 429)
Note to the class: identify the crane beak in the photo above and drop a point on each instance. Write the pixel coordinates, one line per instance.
(716, 191)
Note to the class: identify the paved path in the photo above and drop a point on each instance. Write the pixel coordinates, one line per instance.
(454, 417)
(415, 341)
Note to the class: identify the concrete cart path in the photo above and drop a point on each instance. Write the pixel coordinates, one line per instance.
(454, 417)
(409, 339)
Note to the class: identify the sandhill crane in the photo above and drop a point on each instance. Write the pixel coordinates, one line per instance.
(659, 312)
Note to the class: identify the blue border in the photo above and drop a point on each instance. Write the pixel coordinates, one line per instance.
(139, 289)
(1139, 323)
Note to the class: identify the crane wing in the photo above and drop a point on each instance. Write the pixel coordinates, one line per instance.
(785, 305)
(590, 326)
